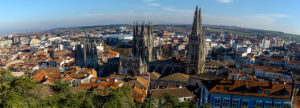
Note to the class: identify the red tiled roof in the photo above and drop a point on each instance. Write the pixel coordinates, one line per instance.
(268, 69)
(249, 88)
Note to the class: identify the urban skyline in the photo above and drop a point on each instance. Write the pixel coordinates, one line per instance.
(144, 64)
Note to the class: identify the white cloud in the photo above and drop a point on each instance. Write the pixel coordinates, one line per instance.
(91, 14)
(257, 21)
(148, 0)
(281, 16)
(154, 4)
(173, 10)
(225, 1)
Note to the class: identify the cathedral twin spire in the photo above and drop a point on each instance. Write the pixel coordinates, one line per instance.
(142, 32)
(142, 41)
(197, 25)
(196, 53)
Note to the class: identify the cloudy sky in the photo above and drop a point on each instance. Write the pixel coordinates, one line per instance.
(34, 15)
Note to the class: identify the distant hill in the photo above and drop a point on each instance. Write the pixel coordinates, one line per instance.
(187, 27)
(252, 32)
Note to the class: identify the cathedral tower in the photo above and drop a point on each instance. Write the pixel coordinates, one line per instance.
(142, 42)
(150, 42)
(141, 52)
(86, 55)
(196, 53)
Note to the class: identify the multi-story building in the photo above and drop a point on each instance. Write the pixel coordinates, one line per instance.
(271, 73)
(245, 94)
(5, 43)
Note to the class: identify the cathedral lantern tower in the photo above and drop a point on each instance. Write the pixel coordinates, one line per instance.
(196, 53)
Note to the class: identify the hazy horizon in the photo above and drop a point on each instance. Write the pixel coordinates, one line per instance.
(33, 31)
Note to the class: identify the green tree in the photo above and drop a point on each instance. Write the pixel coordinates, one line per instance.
(88, 102)
(61, 87)
(207, 105)
(15, 91)
(5, 80)
(119, 98)
(170, 101)
(148, 103)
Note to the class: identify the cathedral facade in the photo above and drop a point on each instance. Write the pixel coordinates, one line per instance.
(86, 55)
(141, 52)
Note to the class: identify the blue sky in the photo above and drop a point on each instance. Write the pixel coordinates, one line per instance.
(34, 15)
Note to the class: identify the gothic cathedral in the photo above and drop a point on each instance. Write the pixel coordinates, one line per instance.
(144, 56)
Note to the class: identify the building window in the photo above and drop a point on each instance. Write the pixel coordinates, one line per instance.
(277, 104)
(188, 98)
(226, 88)
(268, 104)
(218, 88)
(235, 103)
(267, 92)
(259, 91)
(259, 104)
(217, 102)
(245, 103)
(226, 103)
(286, 105)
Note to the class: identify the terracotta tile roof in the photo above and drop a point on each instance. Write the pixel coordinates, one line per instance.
(294, 62)
(40, 76)
(101, 87)
(113, 87)
(66, 78)
(55, 74)
(143, 81)
(249, 88)
(214, 63)
(178, 77)
(274, 59)
(145, 74)
(139, 94)
(103, 84)
(138, 82)
(94, 85)
(177, 92)
(154, 75)
(140, 91)
(77, 76)
(267, 69)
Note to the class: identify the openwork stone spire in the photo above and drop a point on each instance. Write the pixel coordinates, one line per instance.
(196, 24)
